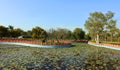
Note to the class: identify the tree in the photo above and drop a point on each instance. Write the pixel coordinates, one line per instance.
(10, 27)
(111, 28)
(78, 34)
(51, 34)
(61, 33)
(69, 35)
(11, 30)
(16, 32)
(118, 36)
(3, 31)
(39, 33)
(87, 37)
(96, 23)
(29, 34)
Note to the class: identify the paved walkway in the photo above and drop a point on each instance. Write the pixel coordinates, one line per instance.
(110, 46)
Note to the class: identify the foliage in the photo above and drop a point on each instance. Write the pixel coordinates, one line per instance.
(111, 28)
(79, 57)
(97, 22)
(17, 32)
(69, 35)
(39, 33)
(78, 34)
(14, 32)
(29, 34)
(87, 37)
(3, 31)
(59, 33)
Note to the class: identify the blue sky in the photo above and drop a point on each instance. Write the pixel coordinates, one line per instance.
(69, 14)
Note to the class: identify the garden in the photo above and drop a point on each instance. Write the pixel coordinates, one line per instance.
(80, 56)
(101, 30)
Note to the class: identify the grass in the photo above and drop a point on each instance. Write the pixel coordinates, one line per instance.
(79, 57)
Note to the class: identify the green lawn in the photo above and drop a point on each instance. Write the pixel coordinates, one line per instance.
(79, 56)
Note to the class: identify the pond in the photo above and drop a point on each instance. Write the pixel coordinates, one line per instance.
(36, 45)
(79, 57)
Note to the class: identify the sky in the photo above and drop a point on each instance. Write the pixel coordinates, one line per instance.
(26, 14)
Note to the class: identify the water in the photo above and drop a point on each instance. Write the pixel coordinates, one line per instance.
(35, 45)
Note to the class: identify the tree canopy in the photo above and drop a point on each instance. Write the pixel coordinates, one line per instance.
(95, 24)
(3, 31)
(39, 33)
(78, 34)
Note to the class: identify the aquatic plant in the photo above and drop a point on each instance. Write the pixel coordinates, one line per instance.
(80, 56)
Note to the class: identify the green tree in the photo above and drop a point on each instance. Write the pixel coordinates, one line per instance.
(39, 33)
(51, 34)
(118, 36)
(69, 35)
(10, 27)
(87, 37)
(111, 28)
(62, 33)
(96, 23)
(3, 31)
(29, 34)
(16, 32)
(11, 30)
(78, 34)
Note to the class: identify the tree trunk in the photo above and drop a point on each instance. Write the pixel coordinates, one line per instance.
(97, 39)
